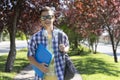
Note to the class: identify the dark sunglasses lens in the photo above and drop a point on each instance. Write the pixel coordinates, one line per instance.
(42, 18)
(46, 17)
(49, 16)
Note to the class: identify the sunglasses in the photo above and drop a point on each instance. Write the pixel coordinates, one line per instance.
(46, 17)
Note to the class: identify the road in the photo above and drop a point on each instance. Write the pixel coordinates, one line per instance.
(5, 46)
(107, 49)
(102, 47)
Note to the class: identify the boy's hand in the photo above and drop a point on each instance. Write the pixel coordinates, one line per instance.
(62, 47)
(43, 67)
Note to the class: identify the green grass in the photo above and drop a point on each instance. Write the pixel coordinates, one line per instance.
(91, 66)
(20, 62)
(97, 67)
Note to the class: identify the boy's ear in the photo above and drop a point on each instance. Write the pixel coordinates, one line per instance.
(40, 20)
(54, 18)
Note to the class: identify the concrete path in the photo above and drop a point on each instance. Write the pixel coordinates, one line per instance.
(26, 74)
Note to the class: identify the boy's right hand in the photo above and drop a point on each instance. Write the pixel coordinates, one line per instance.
(43, 67)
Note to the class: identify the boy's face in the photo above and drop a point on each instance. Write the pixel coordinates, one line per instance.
(47, 18)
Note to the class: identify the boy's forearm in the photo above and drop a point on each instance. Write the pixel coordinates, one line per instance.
(33, 61)
(41, 66)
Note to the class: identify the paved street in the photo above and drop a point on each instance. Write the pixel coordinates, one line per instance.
(107, 49)
(102, 47)
(5, 46)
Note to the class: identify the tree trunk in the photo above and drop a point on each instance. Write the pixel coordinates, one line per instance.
(95, 48)
(113, 46)
(12, 52)
(115, 56)
(114, 49)
(76, 42)
(96, 44)
(0, 36)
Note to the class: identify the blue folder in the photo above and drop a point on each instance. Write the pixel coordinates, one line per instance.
(42, 55)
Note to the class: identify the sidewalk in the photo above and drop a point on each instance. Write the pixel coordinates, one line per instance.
(26, 74)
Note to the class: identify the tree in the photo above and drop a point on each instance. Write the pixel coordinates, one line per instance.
(12, 31)
(96, 16)
(81, 16)
(109, 12)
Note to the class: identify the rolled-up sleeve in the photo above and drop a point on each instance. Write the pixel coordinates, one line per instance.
(31, 47)
(66, 41)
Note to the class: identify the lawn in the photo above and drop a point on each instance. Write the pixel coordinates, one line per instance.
(20, 62)
(91, 66)
(97, 67)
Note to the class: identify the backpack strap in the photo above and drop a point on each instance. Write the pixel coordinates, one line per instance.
(59, 38)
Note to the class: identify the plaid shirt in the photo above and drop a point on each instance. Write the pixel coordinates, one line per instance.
(40, 37)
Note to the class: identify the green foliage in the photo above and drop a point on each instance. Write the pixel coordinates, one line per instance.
(75, 51)
(81, 50)
(92, 38)
(20, 62)
(74, 37)
(5, 35)
(20, 35)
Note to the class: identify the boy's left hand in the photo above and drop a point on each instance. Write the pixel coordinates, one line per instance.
(62, 47)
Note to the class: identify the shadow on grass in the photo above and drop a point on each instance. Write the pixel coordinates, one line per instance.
(2, 62)
(19, 64)
(94, 66)
(5, 78)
